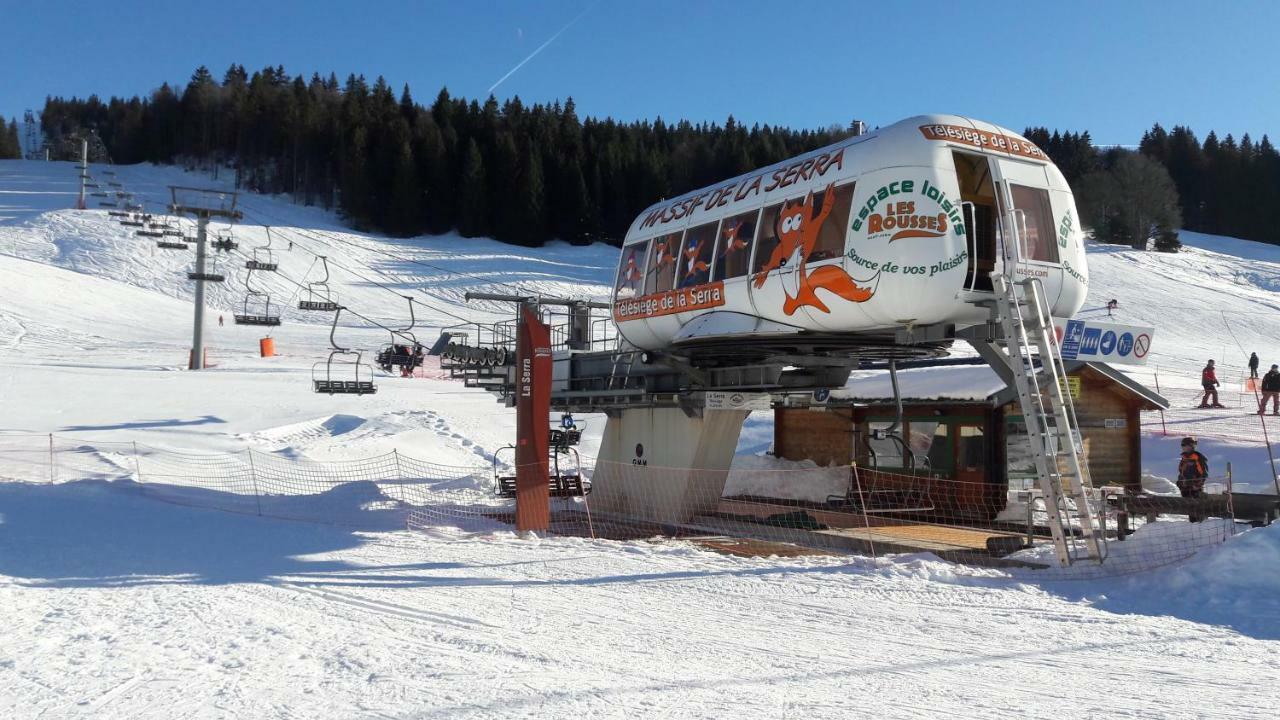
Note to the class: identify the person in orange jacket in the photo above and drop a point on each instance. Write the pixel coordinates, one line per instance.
(1209, 381)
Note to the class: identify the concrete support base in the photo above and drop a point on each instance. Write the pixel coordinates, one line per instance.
(661, 465)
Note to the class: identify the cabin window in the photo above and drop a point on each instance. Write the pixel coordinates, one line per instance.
(631, 271)
(971, 448)
(1035, 223)
(831, 235)
(828, 240)
(734, 254)
(767, 241)
(661, 274)
(695, 259)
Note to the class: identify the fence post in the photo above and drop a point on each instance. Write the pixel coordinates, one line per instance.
(53, 467)
(253, 478)
(137, 468)
(400, 479)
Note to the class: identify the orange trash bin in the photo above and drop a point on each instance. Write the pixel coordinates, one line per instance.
(267, 346)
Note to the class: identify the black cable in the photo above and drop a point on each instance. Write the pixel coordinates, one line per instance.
(371, 281)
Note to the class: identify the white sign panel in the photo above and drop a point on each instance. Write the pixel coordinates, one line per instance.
(1110, 343)
(738, 401)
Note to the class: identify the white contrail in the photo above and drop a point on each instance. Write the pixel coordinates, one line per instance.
(541, 47)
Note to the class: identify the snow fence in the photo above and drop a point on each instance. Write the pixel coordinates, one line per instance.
(751, 511)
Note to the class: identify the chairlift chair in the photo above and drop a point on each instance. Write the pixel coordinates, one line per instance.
(257, 306)
(114, 184)
(210, 273)
(404, 350)
(115, 213)
(150, 233)
(331, 376)
(131, 223)
(99, 193)
(262, 260)
(169, 245)
(257, 310)
(320, 298)
(109, 205)
(563, 480)
(224, 241)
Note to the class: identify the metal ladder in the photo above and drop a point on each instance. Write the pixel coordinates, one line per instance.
(1050, 417)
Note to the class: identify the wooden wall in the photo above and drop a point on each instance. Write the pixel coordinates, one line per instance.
(825, 436)
(1113, 454)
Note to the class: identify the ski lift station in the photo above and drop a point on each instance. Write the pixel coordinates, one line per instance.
(888, 247)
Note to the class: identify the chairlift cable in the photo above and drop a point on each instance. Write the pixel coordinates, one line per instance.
(370, 280)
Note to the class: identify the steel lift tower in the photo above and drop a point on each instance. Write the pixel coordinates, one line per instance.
(202, 204)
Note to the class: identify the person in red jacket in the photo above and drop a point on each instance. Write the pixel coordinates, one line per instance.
(1209, 381)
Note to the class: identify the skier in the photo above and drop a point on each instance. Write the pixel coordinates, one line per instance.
(1253, 365)
(1271, 391)
(219, 321)
(1209, 381)
(1112, 304)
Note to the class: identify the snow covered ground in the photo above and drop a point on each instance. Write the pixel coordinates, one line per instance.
(120, 605)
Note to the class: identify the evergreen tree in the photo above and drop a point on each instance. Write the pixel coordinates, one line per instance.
(472, 193)
(10, 146)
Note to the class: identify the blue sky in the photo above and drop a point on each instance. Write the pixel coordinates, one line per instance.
(1110, 67)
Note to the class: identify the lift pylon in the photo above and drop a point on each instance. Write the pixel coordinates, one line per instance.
(204, 204)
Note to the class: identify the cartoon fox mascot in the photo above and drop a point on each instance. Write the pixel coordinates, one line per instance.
(630, 273)
(797, 230)
(694, 267)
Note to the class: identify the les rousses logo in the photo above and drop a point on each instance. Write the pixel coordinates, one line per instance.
(900, 210)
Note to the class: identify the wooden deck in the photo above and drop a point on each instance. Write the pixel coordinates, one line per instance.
(750, 529)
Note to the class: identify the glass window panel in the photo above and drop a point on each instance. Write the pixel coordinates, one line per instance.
(831, 235)
(972, 447)
(734, 253)
(695, 259)
(940, 450)
(767, 238)
(1035, 223)
(630, 271)
(661, 274)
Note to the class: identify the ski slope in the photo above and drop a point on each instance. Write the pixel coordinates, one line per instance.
(121, 606)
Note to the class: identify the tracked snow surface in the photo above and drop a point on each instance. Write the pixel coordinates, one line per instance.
(118, 605)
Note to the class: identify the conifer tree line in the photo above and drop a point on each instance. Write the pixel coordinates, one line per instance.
(10, 146)
(521, 174)
(526, 174)
(1174, 180)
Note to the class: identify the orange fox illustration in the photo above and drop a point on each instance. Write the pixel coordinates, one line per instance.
(797, 230)
(733, 238)
(693, 263)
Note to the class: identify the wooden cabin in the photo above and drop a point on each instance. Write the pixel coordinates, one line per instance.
(968, 444)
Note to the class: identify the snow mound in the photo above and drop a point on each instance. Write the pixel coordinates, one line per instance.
(1236, 584)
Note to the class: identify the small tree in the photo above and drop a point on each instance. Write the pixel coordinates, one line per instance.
(1132, 202)
(1167, 241)
(1149, 200)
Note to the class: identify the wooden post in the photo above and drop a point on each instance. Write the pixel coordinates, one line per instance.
(533, 406)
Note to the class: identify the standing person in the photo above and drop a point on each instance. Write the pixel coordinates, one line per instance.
(1209, 381)
(219, 321)
(1253, 365)
(1271, 391)
(1193, 470)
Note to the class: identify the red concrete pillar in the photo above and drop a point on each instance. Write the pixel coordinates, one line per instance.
(533, 407)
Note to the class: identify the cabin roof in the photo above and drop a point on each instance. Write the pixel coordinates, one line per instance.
(974, 384)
